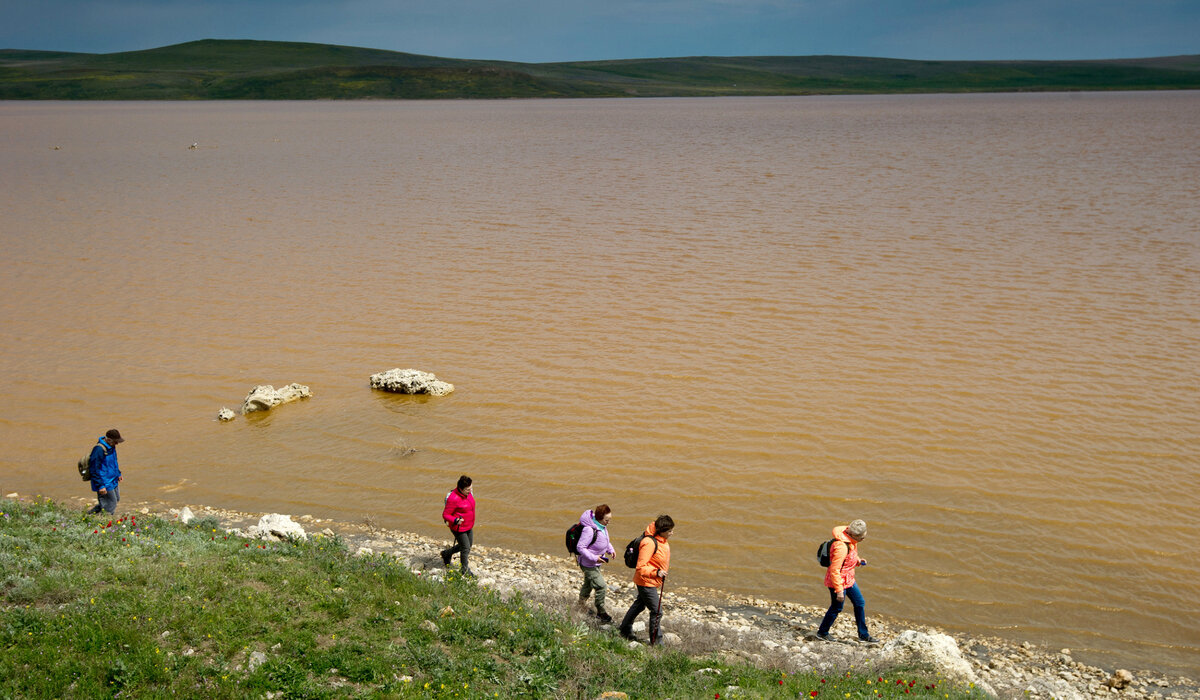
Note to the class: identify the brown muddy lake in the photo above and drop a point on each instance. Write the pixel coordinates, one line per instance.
(972, 321)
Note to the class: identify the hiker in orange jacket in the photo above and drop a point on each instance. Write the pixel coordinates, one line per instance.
(839, 579)
(654, 559)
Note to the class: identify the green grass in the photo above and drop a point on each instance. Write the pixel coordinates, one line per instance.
(94, 606)
(239, 69)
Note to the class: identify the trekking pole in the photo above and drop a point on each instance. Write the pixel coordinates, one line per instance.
(661, 594)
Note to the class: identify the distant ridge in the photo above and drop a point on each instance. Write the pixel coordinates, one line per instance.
(245, 69)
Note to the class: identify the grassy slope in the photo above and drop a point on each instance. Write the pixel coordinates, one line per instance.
(92, 605)
(226, 69)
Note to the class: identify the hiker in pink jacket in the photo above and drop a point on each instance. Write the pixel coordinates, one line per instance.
(459, 515)
(593, 551)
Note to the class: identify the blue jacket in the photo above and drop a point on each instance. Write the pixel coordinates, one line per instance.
(105, 471)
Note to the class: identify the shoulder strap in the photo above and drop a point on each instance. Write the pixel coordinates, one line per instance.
(595, 534)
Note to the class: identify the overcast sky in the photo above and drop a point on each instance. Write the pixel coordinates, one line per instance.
(571, 30)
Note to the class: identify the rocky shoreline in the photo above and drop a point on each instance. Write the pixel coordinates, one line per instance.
(766, 633)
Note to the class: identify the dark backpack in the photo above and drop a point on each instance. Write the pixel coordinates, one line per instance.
(573, 534)
(85, 464)
(825, 552)
(632, 549)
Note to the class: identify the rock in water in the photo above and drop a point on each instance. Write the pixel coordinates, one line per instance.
(225, 414)
(410, 381)
(264, 397)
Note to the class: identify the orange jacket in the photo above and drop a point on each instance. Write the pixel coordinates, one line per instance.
(843, 559)
(645, 574)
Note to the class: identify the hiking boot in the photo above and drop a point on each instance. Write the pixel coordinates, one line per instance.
(446, 557)
(627, 635)
(868, 639)
(604, 617)
(826, 637)
(467, 573)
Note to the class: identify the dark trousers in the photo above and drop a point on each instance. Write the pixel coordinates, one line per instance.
(106, 501)
(647, 598)
(835, 607)
(462, 546)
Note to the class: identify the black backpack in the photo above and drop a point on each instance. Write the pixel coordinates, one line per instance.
(85, 464)
(825, 552)
(631, 550)
(573, 534)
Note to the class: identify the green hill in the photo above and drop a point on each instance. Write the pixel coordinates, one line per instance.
(235, 69)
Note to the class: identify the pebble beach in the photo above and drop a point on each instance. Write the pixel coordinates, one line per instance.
(767, 633)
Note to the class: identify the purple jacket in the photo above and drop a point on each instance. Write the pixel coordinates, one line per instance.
(593, 543)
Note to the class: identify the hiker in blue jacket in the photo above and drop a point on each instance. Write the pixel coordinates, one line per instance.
(106, 475)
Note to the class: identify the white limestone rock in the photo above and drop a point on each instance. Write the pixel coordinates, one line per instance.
(410, 381)
(225, 415)
(275, 526)
(937, 650)
(264, 397)
(186, 515)
(1120, 680)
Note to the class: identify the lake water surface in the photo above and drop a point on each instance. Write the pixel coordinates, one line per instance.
(972, 321)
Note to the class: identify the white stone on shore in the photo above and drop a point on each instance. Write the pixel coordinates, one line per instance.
(225, 415)
(1120, 679)
(276, 526)
(186, 515)
(937, 650)
(410, 381)
(264, 397)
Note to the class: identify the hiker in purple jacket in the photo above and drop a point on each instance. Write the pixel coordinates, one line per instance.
(595, 550)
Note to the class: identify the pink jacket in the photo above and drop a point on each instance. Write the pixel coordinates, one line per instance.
(593, 543)
(458, 505)
(843, 559)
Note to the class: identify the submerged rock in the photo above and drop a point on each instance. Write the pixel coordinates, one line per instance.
(410, 381)
(264, 397)
(225, 414)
